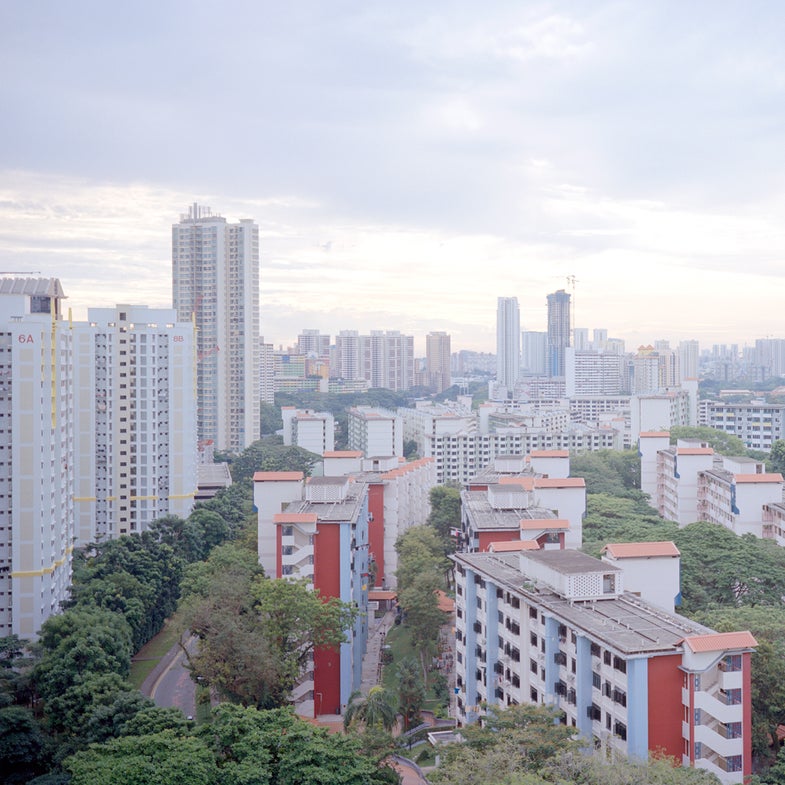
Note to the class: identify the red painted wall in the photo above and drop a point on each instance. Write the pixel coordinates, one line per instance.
(746, 724)
(327, 579)
(665, 707)
(486, 538)
(376, 528)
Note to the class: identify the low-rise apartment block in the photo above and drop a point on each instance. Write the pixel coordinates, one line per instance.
(558, 627)
(757, 423)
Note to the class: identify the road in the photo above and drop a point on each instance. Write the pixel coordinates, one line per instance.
(170, 683)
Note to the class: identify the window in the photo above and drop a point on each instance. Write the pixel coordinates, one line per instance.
(609, 583)
(596, 680)
(619, 664)
(606, 657)
(620, 729)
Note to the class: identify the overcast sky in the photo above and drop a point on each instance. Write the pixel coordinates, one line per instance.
(409, 162)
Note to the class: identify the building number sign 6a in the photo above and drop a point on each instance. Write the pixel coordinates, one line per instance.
(25, 338)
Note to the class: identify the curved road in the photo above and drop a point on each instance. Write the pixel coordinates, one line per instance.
(170, 684)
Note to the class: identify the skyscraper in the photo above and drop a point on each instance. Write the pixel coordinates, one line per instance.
(437, 360)
(215, 282)
(558, 331)
(508, 341)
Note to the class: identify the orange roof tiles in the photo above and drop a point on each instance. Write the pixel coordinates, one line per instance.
(652, 434)
(566, 482)
(295, 517)
(694, 451)
(513, 545)
(550, 453)
(526, 482)
(745, 478)
(277, 476)
(536, 524)
(343, 454)
(631, 550)
(379, 594)
(719, 641)
(446, 604)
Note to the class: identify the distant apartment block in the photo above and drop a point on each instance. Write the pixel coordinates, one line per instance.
(524, 498)
(313, 431)
(757, 423)
(383, 359)
(37, 451)
(559, 324)
(592, 373)
(508, 342)
(687, 482)
(437, 361)
(376, 432)
(135, 406)
(560, 628)
(266, 372)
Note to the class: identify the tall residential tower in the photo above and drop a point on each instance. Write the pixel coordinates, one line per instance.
(215, 282)
(508, 342)
(558, 331)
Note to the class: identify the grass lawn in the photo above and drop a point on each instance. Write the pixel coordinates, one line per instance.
(399, 640)
(150, 654)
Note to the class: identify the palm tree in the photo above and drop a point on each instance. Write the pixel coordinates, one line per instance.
(376, 710)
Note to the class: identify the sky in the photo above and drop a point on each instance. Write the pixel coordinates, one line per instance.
(408, 163)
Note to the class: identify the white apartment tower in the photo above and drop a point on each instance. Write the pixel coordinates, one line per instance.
(215, 283)
(508, 342)
(135, 401)
(36, 454)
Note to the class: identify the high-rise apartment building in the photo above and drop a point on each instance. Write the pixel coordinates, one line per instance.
(314, 343)
(437, 360)
(508, 342)
(135, 410)
(535, 352)
(36, 454)
(558, 331)
(383, 359)
(689, 360)
(215, 283)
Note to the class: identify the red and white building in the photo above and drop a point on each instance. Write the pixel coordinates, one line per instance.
(559, 627)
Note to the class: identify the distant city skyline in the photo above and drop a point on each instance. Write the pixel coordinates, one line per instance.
(407, 166)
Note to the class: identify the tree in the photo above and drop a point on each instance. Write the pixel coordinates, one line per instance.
(609, 471)
(376, 710)
(777, 456)
(21, 744)
(721, 442)
(265, 455)
(445, 513)
(158, 759)
(411, 690)
(422, 614)
(420, 551)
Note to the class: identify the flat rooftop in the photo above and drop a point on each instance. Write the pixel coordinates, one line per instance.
(483, 517)
(625, 623)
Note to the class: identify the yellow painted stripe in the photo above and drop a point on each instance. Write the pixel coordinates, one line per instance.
(45, 570)
(84, 498)
(184, 496)
(144, 498)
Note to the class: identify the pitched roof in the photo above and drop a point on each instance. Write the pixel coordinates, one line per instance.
(526, 482)
(566, 482)
(343, 454)
(295, 517)
(277, 476)
(550, 453)
(745, 478)
(719, 641)
(652, 434)
(536, 524)
(694, 451)
(513, 545)
(631, 550)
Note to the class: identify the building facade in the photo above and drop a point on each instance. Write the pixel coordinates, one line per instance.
(557, 627)
(135, 409)
(437, 361)
(559, 324)
(215, 284)
(37, 468)
(508, 342)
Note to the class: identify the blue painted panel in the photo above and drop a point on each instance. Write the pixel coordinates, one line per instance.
(638, 708)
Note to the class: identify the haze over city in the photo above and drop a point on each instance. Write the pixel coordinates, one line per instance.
(407, 165)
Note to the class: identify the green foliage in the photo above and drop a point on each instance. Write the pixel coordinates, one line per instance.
(610, 472)
(445, 513)
(271, 419)
(720, 568)
(21, 744)
(722, 443)
(268, 455)
(411, 690)
(376, 710)
(255, 634)
(158, 759)
(777, 456)
(621, 519)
